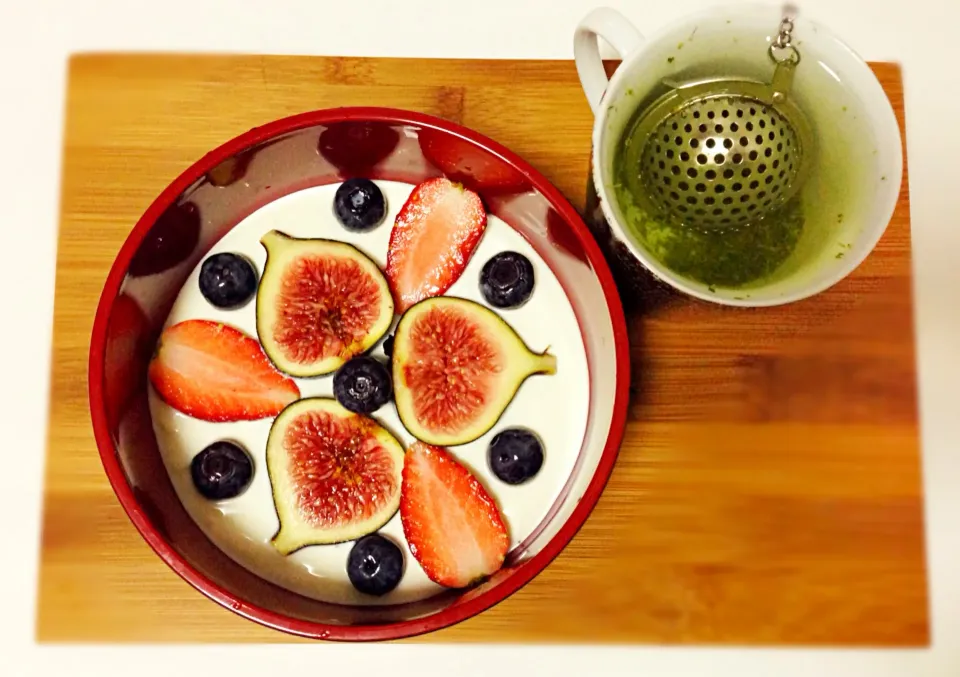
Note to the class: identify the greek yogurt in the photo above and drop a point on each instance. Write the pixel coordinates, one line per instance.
(555, 406)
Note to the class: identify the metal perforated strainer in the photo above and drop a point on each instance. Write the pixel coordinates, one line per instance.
(724, 152)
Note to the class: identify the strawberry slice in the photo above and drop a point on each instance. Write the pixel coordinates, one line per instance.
(217, 373)
(451, 523)
(432, 240)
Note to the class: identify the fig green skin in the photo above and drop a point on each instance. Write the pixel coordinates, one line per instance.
(522, 363)
(281, 249)
(294, 534)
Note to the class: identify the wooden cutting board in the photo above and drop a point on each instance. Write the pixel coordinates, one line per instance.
(768, 490)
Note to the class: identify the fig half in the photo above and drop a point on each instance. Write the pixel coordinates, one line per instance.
(335, 475)
(456, 367)
(320, 302)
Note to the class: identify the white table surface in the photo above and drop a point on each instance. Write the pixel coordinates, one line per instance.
(37, 35)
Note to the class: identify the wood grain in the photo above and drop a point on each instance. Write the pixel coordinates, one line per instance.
(767, 492)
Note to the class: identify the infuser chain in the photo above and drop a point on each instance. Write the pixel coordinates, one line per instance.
(785, 36)
(781, 48)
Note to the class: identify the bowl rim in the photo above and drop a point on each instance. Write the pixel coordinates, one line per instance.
(446, 617)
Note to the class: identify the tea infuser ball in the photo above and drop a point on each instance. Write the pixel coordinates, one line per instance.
(724, 152)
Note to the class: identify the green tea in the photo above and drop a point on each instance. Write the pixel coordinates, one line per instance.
(808, 235)
(731, 256)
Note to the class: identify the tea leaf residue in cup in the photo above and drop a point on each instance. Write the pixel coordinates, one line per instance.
(731, 257)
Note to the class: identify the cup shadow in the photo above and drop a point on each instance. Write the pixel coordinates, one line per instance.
(641, 293)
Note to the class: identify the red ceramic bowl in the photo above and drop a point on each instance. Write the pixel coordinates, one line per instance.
(231, 182)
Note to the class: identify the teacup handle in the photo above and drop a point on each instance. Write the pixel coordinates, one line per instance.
(613, 27)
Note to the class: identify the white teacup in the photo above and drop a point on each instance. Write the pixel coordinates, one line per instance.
(857, 136)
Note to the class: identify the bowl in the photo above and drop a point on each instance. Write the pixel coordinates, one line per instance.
(257, 168)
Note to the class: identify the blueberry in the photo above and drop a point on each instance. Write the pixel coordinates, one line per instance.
(388, 346)
(515, 455)
(362, 385)
(506, 280)
(359, 205)
(375, 565)
(227, 280)
(222, 470)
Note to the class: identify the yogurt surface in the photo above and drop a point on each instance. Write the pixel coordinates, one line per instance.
(555, 407)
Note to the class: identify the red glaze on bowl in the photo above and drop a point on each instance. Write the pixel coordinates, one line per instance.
(238, 178)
